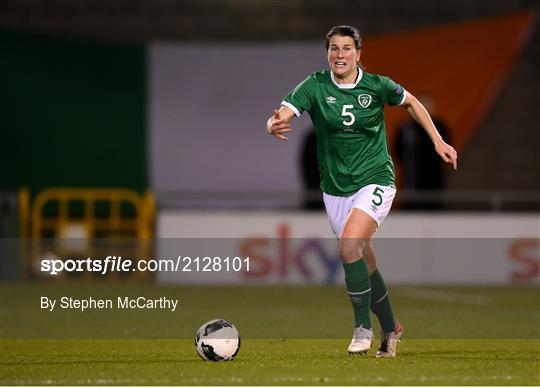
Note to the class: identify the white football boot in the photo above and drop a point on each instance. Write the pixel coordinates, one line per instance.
(361, 341)
(389, 342)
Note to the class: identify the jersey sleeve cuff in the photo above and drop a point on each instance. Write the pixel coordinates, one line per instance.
(403, 98)
(291, 107)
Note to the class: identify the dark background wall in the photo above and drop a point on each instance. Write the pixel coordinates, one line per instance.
(240, 19)
(73, 112)
(502, 156)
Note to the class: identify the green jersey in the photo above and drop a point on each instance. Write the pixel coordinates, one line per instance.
(349, 125)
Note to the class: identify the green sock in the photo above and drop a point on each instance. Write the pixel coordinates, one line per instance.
(359, 289)
(380, 302)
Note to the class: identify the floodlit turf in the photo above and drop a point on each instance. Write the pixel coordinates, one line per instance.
(268, 362)
(291, 336)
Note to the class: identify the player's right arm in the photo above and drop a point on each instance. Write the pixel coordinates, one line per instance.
(280, 123)
(300, 99)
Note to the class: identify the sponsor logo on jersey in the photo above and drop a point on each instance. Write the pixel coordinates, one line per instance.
(364, 100)
(331, 100)
(399, 89)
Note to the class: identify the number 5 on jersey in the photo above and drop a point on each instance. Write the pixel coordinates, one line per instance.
(344, 113)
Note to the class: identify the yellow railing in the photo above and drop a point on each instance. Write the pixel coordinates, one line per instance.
(24, 212)
(67, 222)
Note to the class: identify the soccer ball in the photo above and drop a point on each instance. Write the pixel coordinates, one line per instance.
(217, 340)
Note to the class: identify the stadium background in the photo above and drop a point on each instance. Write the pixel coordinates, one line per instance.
(169, 99)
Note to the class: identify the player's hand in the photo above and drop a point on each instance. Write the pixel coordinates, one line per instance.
(277, 126)
(447, 153)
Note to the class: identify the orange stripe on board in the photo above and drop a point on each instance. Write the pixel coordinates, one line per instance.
(462, 66)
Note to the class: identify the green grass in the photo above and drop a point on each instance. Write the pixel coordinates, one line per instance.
(291, 336)
(268, 362)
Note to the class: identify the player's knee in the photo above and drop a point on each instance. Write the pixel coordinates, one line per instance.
(350, 249)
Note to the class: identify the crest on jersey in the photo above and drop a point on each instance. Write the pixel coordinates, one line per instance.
(364, 100)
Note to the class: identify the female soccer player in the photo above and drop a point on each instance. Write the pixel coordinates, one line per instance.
(346, 105)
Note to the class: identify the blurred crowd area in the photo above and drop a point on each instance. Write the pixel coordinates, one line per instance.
(239, 19)
(499, 166)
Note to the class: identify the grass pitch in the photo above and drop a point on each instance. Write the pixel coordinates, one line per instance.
(291, 336)
(268, 362)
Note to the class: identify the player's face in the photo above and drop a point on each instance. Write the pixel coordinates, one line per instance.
(343, 56)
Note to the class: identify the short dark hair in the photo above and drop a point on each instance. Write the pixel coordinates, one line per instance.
(345, 31)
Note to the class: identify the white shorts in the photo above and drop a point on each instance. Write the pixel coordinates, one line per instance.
(375, 200)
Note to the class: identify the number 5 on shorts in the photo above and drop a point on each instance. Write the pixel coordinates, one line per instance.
(377, 193)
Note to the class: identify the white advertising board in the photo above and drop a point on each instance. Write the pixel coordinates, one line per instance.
(299, 248)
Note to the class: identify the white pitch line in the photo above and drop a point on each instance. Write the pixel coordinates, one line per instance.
(382, 379)
(282, 379)
(444, 296)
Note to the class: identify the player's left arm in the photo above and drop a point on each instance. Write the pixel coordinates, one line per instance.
(421, 115)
